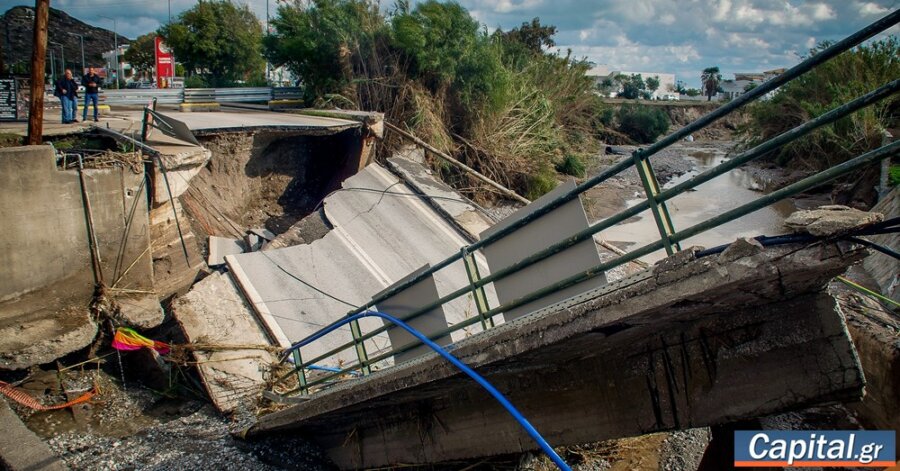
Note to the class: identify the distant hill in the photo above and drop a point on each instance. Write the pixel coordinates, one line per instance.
(17, 25)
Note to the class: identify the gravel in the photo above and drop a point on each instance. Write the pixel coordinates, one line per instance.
(683, 449)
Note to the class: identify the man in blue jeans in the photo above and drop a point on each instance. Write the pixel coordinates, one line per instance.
(67, 91)
(92, 83)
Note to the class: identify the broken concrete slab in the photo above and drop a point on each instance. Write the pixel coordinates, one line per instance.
(264, 233)
(396, 235)
(630, 358)
(465, 215)
(305, 231)
(230, 346)
(279, 285)
(830, 220)
(21, 449)
(141, 311)
(45, 336)
(376, 239)
(219, 247)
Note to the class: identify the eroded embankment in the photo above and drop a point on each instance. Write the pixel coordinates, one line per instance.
(267, 179)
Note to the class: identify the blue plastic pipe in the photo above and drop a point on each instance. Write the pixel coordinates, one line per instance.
(457, 363)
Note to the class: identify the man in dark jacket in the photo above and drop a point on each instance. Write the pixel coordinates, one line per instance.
(92, 83)
(67, 91)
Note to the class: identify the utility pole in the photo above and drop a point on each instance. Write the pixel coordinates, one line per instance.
(38, 58)
(82, 51)
(267, 35)
(115, 46)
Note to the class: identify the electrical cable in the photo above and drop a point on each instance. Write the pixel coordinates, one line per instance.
(510, 408)
(408, 195)
(307, 284)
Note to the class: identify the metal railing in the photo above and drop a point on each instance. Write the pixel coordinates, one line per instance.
(142, 96)
(655, 201)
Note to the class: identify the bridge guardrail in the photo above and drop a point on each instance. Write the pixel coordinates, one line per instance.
(655, 201)
(175, 96)
(141, 96)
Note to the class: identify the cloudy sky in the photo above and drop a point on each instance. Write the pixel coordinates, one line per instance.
(680, 37)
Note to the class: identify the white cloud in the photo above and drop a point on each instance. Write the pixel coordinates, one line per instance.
(869, 9)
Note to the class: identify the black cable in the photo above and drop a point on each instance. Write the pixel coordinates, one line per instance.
(307, 284)
(413, 195)
(872, 245)
(887, 227)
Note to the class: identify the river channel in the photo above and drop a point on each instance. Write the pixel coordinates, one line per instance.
(710, 199)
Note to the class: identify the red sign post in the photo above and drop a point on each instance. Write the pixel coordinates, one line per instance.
(164, 64)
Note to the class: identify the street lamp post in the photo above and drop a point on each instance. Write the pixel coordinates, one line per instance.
(115, 46)
(62, 55)
(82, 50)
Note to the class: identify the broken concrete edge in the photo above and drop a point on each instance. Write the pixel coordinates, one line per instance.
(21, 449)
(190, 107)
(470, 223)
(374, 121)
(585, 313)
(831, 220)
(51, 347)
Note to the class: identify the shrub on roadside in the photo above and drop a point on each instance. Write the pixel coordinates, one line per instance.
(847, 76)
(571, 165)
(642, 123)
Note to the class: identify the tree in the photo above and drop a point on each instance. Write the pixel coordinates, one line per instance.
(633, 87)
(218, 40)
(534, 36)
(710, 79)
(141, 53)
(652, 83)
(318, 40)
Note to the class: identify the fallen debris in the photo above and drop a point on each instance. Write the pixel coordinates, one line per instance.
(831, 220)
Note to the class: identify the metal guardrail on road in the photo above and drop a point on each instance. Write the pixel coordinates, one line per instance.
(170, 96)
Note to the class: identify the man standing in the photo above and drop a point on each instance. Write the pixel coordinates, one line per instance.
(67, 91)
(92, 83)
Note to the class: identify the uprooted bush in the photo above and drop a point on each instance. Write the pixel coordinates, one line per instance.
(642, 123)
(497, 101)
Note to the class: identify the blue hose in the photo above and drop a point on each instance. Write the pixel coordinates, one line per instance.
(462, 367)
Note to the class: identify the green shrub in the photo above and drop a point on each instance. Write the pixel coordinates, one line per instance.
(540, 184)
(195, 81)
(571, 165)
(642, 123)
(894, 175)
(847, 76)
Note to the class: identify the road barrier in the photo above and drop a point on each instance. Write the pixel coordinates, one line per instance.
(176, 96)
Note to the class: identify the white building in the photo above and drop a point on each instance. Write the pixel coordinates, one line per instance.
(109, 59)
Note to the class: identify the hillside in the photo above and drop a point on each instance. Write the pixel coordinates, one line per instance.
(17, 28)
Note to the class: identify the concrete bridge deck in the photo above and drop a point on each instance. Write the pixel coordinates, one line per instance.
(687, 343)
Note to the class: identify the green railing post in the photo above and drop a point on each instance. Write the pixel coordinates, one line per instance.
(481, 302)
(659, 209)
(301, 372)
(364, 367)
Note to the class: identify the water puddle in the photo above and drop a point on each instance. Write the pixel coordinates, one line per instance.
(712, 198)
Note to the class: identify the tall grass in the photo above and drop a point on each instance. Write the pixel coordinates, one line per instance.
(830, 85)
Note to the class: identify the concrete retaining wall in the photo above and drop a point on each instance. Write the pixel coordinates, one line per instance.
(45, 237)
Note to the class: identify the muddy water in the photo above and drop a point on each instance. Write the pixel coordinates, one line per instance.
(714, 197)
